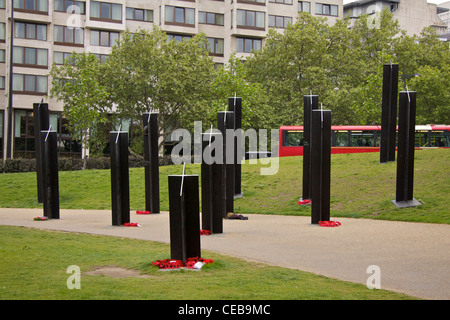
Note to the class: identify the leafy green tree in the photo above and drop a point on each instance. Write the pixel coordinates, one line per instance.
(146, 71)
(77, 84)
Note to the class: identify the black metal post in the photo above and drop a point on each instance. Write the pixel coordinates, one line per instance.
(225, 122)
(320, 167)
(389, 113)
(151, 164)
(311, 102)
(120, 186)
(405, 156)
(213, 200)
(184, 217)
(50, 190)
(235, 105)
(41, 122)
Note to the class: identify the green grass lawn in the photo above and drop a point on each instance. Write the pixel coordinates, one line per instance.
(33, 267)
(361, 187)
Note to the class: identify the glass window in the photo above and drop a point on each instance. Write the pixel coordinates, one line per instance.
(190, 16)
(58, 34)
(19, 29)
(105, 10)
(18, 82)
(180, 15)
(30, 83)
(18, 55)
(30, 31)
(95, 9)
(2, 31)
(116, 11)
(2, 55)
(170, 14)
(95, 38)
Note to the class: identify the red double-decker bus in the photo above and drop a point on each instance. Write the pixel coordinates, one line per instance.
(358, 139)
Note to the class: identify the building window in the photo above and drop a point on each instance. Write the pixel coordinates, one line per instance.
(2, 4)
(35, 6)
(210, 18)
(69, 36)
(281, 1)
(2, 55)
(304, 6)
(106, 11)
(177, 37)
(250, 19)
(30, 57)
(248, 45)
(326, 9)
(104, 38)
(69, 6)
(180, 16)
(27, 30)
(29, 84)
(101, 57)
(139, 14)
(2, 32)
(215, 46)
(60, 57)
(260, 2)
(279, 21)
(2, 82)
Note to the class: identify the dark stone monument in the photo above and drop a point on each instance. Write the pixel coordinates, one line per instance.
(405, 155)
(311, 102)
(235, 105)
(151, 162)
(41, 122)
(120, 187)
(225, 121)
(50, 184)
(213, 194)
(320, 165)
(184, 217)
(389, 113)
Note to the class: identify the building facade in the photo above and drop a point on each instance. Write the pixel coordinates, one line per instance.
(44, 32)
(412, 15)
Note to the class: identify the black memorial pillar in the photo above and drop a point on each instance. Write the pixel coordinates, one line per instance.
(311, 103)
(50, 185)
(389, 113)
(320, 165)
(151, 162)
(225, 121)
(41, 122)
(184, 218)
(120, 188)
(213, 195)
(235, 105)
(405, 155)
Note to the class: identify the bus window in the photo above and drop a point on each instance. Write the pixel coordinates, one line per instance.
(292, 138)
(421, 139)
(439, 139)
(362, 139)
(341, 138)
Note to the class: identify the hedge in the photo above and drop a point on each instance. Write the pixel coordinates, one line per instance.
(29, 165)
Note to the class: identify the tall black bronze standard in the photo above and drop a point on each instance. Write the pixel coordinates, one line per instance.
(235, 105)
(389, 113)
(41, 122)
(213, 201)
(405, 155)
(184, 217)
(151, 162)
(50, 185)
(310, 103)
(120, 186)
(320, 165)
(225, 122)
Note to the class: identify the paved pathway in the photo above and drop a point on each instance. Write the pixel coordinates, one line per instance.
(414, 258)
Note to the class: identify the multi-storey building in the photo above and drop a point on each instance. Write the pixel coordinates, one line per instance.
(43, 32)
(412, 15)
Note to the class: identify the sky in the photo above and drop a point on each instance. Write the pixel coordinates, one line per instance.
(429, 1)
